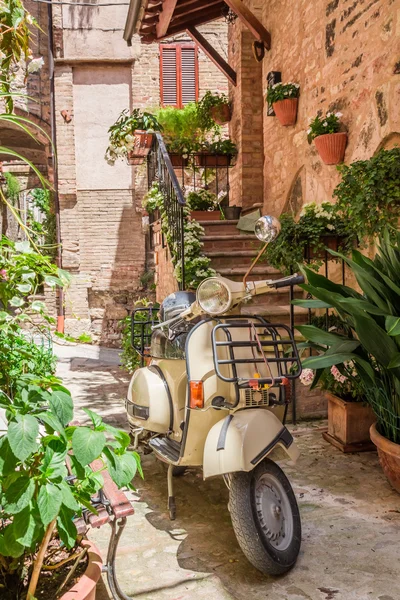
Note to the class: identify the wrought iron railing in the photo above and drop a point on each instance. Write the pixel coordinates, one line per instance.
(160, 169)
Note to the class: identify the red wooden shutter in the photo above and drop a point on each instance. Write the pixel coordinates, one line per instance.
(179, 74)
(169, 78)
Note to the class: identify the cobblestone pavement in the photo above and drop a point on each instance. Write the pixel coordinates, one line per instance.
(350, 516)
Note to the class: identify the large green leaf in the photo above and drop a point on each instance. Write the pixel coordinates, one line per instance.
(87, 444)
(66, 528)
(319, 281)
(395, 362)
(122, 469)
(376, 341)
(320, 336)
(8, 461)
(25, 527)
(392, 325)
(22, 436)
(68, 498)
(10, 546)
(311, 304)
(49, 502)
(327, 360)
(62, 405)
(19, 494)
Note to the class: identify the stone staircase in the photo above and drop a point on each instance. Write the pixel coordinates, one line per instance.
(231, 254)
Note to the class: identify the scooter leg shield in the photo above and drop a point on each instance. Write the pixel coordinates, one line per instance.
(242, 440)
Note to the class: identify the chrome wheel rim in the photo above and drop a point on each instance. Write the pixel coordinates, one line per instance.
(274, 512)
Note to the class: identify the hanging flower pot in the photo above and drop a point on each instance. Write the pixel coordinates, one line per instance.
(204, 159)
(143, 142)
(331, 147)
(221, 113)
(178, 160)
(286, 111)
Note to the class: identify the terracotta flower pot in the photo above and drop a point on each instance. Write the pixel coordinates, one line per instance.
(213, 160)
(143, 142)
(178, 161)
(85, 589)
(286, 111)
(221, 114)
(389, 457)
(205, 215)
(349, 424)
(331, 147)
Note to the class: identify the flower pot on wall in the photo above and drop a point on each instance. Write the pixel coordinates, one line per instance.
(205, 215)
(331, 147)
(221, 114)
(349, 424)
(389, 457)
(178, 161)
(143, 142)
(286, 111)
(85, 588)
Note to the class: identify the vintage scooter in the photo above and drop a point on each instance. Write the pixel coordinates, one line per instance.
(215, 395)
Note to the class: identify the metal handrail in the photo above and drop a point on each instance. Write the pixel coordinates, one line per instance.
(160, 168)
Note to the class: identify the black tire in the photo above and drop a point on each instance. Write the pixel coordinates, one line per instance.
(270, 551)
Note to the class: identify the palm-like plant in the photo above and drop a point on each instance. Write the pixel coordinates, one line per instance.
(372, 320)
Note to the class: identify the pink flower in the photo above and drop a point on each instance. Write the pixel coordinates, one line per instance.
(3, 274)
(307, 376)
(337, 375)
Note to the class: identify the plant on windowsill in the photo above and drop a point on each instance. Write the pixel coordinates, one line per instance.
(284, 99)
(328, 139)
(214, 109)
(203, 205)
(373, 344)
(131, 137)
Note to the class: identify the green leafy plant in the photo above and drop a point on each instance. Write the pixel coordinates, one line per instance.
(373, 322)
(219, 146)
(43, 231)
(202, 199)
(368, 197)
(320, 125)
(153, 199)
(130, 358)
(182, 128)
(282, 91)
(122, 132)
(208, 106)
(307, 235)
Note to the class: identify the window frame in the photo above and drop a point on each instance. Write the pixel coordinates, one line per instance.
(178, 49)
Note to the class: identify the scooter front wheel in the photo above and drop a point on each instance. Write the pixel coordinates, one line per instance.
(266, 518)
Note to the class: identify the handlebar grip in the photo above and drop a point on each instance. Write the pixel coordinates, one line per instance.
(289, 281)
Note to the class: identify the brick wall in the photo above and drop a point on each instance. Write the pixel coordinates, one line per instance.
(345, 55)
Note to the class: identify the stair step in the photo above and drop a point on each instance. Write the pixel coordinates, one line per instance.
(233, 254)
(225, 259)
(242, 237)
(219, 227)
(218, 222)
(261, 271)
(214, 243)
(277, 313)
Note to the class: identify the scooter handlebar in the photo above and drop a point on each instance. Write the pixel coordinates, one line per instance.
(295, 279)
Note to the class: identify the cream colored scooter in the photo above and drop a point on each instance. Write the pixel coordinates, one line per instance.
(215, 395)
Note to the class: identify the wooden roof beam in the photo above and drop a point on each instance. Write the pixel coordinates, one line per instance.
(212, 54)
(165, 17)
(185, 9)
(251, 22)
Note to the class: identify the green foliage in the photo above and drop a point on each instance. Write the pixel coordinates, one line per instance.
(373, 322)
(202, 200)
(182, 128)
(85, 338)
(320, 125)
(43, 232)
(130, 358)
(15, 38)
(315, 223)
(12, 189)
(219, 145)
(282, 91)
(122, 132)
(368, 197)
(210, 101)
(153, 199)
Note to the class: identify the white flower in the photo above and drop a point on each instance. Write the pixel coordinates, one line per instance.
(309, 131)
(296, 85)
(129, 138)
(285, 93)
(29, 19)
(328, 114)
(35, 65)
(338, 115)
(325, 124)
(330, 226)
(2, 55)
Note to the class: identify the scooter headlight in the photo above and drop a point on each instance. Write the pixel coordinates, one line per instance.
(214, 296)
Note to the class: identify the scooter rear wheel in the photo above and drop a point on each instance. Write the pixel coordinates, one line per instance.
(266, 518)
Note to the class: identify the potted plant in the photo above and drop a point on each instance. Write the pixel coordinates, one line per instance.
(349, 415)
(217, 153)
(284, 99)
(214, 109)
(182, 130)
(45, 477)
(373, 344)
(203, 205)
(329, 140)
(131, 137)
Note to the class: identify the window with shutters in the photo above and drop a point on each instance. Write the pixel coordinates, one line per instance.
(179, 74)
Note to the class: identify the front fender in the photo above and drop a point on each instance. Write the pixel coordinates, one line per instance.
(240, 441)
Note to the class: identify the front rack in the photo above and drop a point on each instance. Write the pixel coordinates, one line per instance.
(142, 323)
(272, 345)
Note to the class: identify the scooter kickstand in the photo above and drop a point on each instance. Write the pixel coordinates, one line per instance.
(171, 497)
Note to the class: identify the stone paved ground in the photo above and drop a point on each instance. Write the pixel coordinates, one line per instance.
(351, 518)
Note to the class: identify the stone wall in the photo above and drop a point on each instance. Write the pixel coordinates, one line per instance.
(345, 55)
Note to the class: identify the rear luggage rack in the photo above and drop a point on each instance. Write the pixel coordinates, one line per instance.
(142, 322)
(272, 345)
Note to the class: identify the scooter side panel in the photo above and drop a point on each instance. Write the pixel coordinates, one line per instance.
(148, 392)
(242, 440)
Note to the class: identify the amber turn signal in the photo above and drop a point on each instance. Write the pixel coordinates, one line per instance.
(196, 394)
